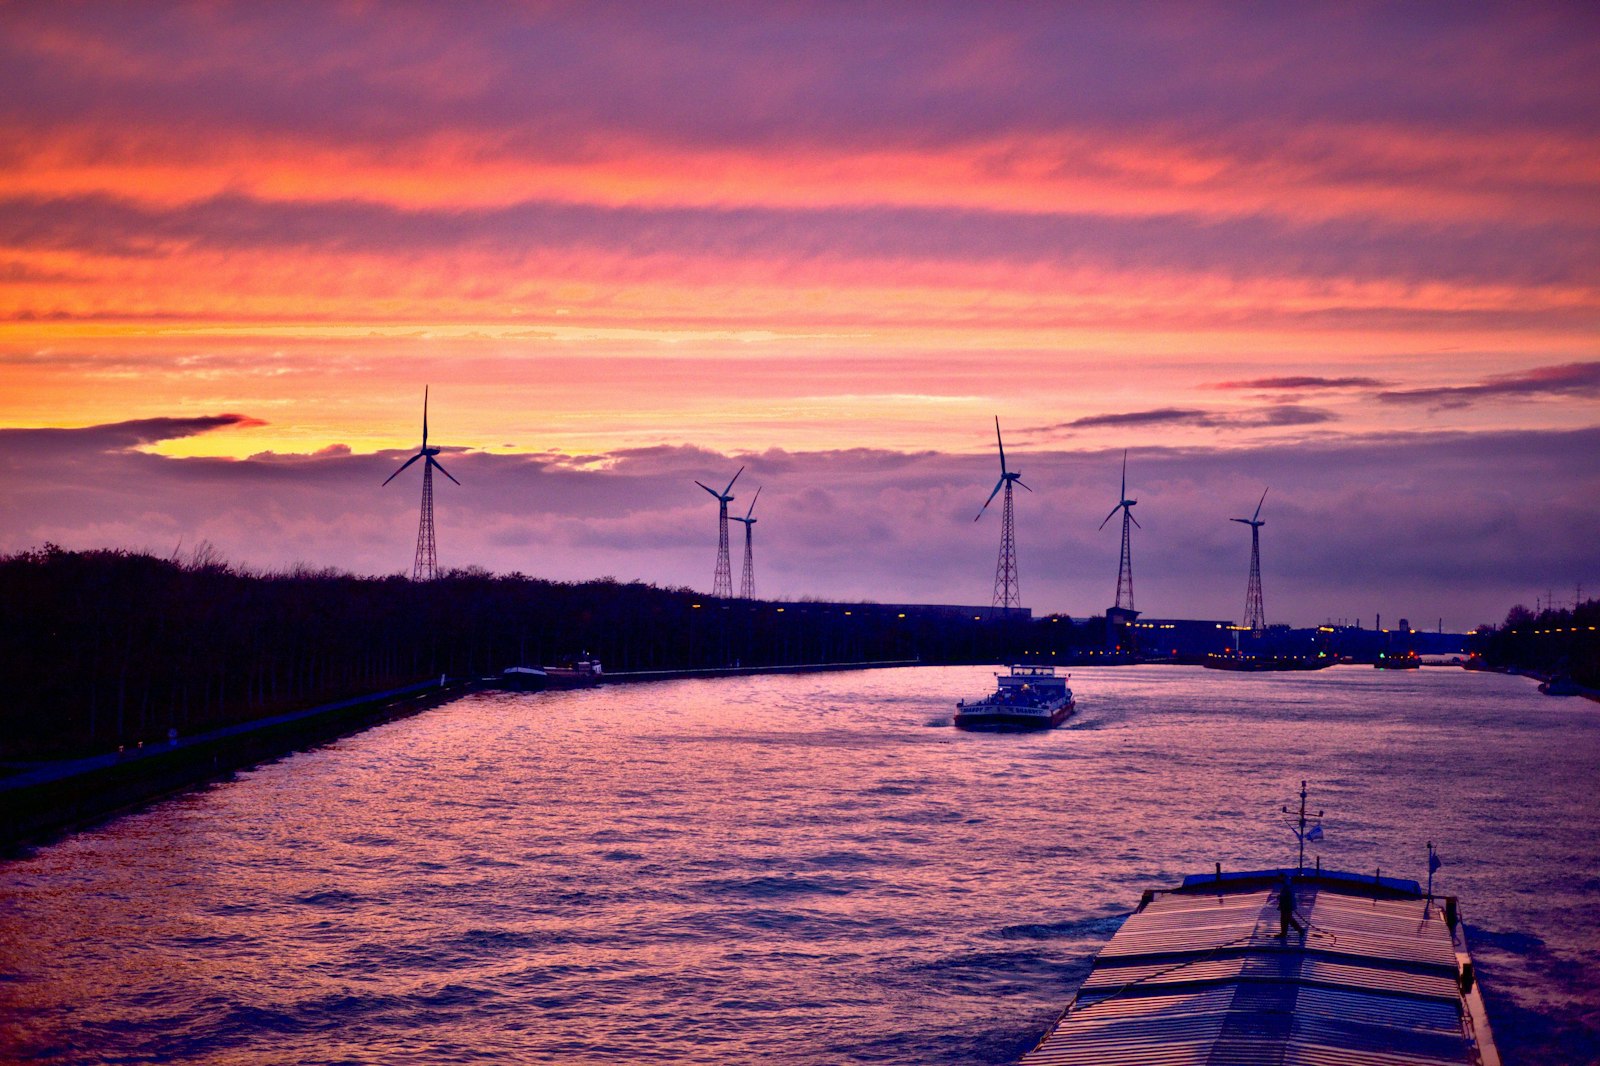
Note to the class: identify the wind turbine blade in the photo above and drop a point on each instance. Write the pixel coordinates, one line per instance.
(424, 416)
(1134, 520)
(1001, 443)
(403, 465)
(753, 500)
(709, 489)
(730, 484)
(1246, 521)
(1124, 473)
(1259, 503)
(1107, 518)
(992, 495)
(435, 464)
(1019, 482)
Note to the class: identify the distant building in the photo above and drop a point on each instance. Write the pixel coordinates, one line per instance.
(1119, 636)
(946, 611)
(1356, 644)
(1180, 638)
(942, 612)
(1129, 633)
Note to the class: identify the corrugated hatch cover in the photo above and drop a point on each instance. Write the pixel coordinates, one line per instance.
(1204, 979)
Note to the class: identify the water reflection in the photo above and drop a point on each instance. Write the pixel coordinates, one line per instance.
(796, 869)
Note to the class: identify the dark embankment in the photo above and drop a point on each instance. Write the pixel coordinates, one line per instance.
(1551, 643)
(104, 649)
(46, 799)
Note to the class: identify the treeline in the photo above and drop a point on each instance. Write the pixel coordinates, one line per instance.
(1549, 642)
(108, 648)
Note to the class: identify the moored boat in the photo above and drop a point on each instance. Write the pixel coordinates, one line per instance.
(1029, 697)
(523, 679)
(579, 672)
(1561, 685)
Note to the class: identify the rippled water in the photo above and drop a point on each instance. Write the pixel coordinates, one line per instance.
(806, 869)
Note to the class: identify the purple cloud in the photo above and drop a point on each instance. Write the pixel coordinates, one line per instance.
(1401, 523)
(554, 78)
(1568, 379)
(1247, 247)
(1161, 416)
(1277, 415)
(1302, 382)
(117, 436)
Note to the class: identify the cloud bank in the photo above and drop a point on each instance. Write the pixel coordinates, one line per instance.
(1400, 524)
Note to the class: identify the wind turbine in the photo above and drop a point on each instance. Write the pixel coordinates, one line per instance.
(1125, 571)
(747, 582)
(722, 583)
(1007, 592)
(426, 566)
(1255, 615)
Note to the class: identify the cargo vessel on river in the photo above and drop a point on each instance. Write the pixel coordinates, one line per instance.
(1029, 697)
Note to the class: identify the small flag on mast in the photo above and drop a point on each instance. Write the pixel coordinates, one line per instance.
(1433, 860)
(1314, 833)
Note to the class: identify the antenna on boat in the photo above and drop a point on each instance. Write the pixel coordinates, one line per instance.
(1301, 832)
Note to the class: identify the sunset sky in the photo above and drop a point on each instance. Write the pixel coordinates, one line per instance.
(1350, 251)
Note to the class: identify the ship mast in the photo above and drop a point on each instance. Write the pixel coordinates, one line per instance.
(1300, 830)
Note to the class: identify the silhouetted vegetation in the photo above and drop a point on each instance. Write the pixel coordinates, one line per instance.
(1550, 643)
(107, 648)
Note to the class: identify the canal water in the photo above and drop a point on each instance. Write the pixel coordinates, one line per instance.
(802, 869)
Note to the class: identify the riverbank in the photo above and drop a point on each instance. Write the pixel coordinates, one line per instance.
(44, 800)
(1544, 679)
(635, 676)
(41, 801)
(118, 646)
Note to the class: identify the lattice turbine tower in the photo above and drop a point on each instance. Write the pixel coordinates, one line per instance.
(1007, 588)
(747, 581)
(1125, 568)
(426, 565)
(1255, 613)
(722, 580)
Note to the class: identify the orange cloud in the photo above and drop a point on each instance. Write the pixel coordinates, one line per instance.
(1326, 173)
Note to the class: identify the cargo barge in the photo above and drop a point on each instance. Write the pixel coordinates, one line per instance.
(1287, 966)
(1029, 697)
